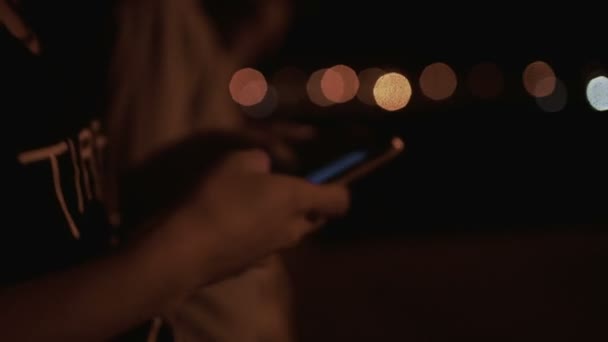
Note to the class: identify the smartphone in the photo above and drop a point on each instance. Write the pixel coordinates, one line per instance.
(357, 163)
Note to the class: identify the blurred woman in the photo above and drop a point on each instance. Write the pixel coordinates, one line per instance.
(201, 267)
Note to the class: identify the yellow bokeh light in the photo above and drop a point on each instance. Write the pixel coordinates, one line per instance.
(392, 91)
(438, 81)
(539, 79)
(248, 87)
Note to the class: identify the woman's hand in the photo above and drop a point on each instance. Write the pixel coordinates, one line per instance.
(240, 214)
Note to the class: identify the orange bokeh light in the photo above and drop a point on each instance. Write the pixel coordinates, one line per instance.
(539, 79)
(438, 81)
(313, 88)
(339, 84)
(248, 87)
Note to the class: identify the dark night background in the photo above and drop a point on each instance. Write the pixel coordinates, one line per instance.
(468, 160)
(492, 225)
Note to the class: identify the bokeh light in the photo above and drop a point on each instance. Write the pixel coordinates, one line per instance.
(313, 88)
(557, 100)
(539, 79)
(438, 81)
(597, 93)
(392, 91)
(485, 80)
(264, 108)
(290, 84)
(367, 80)
(332, 85)
(248, 87)
(339, 83)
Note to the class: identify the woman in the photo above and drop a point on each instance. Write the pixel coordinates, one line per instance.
(66, 275)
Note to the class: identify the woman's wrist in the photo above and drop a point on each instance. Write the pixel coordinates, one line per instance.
(177, 258)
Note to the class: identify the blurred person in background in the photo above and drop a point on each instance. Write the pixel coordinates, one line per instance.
(111, 106)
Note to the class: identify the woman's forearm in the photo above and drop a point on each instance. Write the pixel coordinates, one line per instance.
(93, 301)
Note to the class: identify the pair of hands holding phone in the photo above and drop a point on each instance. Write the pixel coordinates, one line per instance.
(240, 212)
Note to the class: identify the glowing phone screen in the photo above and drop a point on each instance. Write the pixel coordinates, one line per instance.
(336, 167)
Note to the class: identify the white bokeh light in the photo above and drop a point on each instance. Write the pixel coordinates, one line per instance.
(597, 93)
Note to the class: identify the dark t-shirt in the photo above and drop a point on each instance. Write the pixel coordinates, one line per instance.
(52, 156)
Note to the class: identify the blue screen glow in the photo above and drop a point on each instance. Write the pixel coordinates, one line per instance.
(336, 167)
